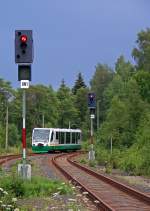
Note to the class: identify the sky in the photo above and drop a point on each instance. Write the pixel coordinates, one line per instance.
(70, 36)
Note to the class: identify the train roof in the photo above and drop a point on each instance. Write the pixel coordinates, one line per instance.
(60, 129)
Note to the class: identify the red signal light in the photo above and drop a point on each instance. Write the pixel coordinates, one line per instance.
(23, 38)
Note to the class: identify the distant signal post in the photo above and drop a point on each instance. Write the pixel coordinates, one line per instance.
(24, 59)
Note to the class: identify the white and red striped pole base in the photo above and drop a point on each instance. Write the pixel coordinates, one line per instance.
(24, 142)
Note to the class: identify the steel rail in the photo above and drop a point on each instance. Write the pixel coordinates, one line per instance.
(5, 158)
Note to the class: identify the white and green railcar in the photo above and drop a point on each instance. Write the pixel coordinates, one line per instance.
(55, 139)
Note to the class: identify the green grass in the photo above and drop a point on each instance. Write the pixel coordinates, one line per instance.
(83, 161)
(92, 163)
(29, 192)
(38, 186)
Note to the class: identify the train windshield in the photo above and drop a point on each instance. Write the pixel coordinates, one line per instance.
(41, 135)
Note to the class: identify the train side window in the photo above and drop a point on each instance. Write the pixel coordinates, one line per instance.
(57, 135)
(64, 137)
(78, 138)
(73, 138)
(62, 140)
(70, 138)
(52, 136)
(67, 137)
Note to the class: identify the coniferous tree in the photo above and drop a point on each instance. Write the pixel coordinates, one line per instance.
(81, 104)
(63, 85)
(67, 111)
(79, 83)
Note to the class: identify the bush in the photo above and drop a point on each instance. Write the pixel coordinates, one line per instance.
(115, 158)
(92, 163)
(85, 145)
(130, 161)
(7, 201)
(102, 155)
(108, 169)
(13, 184)
(83, 161)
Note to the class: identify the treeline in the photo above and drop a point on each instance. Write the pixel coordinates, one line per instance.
(125, 117)
(45, 107)
(123, 99)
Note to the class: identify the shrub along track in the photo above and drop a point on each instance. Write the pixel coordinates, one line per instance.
(107, 193)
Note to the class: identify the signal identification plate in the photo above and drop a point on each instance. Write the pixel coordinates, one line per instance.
(92, 116)
(24, 84)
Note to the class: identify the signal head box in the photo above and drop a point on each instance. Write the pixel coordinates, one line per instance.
(91, 100)
(23, 46)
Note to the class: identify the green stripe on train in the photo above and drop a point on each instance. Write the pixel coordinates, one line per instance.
(59, 147)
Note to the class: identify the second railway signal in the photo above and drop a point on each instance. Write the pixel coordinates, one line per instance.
(23, 46)
(91, 100)
(91, 106)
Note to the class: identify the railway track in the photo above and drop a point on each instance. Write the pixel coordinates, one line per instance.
(108, 194)
(6, 158)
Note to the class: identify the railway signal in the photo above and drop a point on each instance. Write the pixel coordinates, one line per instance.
(23, 46)
(91, 100)
(91, 106)
(24, 58)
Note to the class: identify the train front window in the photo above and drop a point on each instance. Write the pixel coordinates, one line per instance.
(41, 135)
